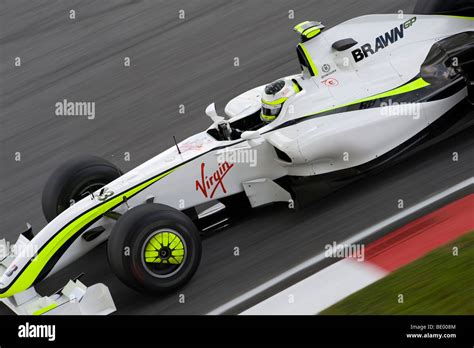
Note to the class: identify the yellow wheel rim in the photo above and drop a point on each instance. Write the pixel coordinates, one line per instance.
(165, 247)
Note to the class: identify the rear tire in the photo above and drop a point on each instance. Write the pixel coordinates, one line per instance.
(154, 248)
(72, 179)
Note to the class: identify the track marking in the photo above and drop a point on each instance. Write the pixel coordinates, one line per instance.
(352, 240)
(392, 251)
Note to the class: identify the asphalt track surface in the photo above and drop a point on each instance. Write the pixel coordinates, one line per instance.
(177, 62)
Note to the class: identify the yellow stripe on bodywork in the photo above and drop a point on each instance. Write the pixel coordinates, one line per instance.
(308, 58)
(28, 275)
(412, 86)
(45, 309)
(409, 87)
(460, 17)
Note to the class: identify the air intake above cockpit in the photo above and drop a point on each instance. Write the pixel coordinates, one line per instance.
(344, 44)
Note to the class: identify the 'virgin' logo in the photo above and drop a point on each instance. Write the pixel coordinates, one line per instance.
(209, 184)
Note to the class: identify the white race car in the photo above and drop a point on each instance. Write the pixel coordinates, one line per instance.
(370, 90)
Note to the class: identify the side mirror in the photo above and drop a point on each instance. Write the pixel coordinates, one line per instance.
(253, 138)
(212, 113)
(250, 135)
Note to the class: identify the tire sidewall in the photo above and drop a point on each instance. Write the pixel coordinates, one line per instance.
(127, 240)
(67, 180)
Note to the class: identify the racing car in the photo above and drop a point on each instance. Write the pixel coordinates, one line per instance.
(369, 91)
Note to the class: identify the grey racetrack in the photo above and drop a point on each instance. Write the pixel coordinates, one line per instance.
(177, 62)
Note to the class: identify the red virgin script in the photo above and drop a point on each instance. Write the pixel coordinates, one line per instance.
(209, 184)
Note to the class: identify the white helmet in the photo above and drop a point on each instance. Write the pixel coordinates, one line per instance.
(275, 95)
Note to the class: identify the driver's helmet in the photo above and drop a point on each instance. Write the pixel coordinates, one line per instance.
(275, 95)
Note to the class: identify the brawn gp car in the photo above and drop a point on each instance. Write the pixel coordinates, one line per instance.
(369, 91)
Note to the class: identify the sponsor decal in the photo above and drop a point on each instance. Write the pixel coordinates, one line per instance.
(208, 184)
(330, 82)
(382, 41)
(329, 73)
(327, 70)
(194, 145)
(37, 331)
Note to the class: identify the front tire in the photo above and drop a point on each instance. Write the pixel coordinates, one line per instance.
(154, 248)
(72, 180)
